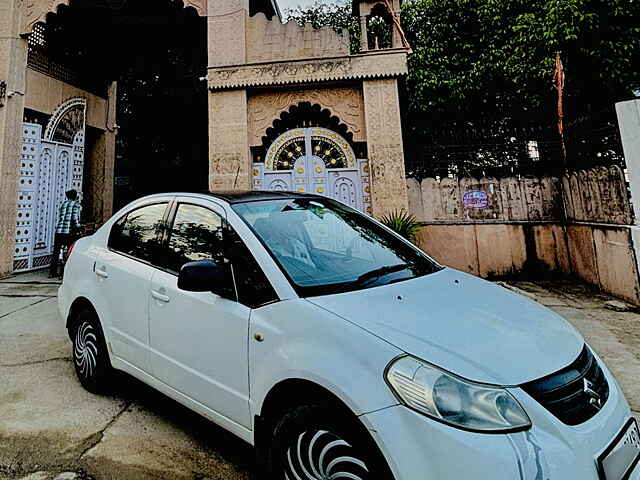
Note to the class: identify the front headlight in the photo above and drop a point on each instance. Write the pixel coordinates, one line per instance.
(455, 401)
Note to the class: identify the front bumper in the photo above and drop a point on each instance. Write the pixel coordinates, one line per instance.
(418, 448)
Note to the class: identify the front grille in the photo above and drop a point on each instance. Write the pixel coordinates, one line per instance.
(575, 393)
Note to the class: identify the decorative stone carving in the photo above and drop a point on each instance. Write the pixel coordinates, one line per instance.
(229, 161)
(386, 155)
(345, 103)
(383, 64)
(269, 40)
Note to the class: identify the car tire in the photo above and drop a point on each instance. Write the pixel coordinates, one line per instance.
(319, 442)
(90, 355)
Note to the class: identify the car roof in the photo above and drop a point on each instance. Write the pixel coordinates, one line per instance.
(245, 196)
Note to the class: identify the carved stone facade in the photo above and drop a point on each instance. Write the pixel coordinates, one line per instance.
(269, 40)
(229, 161)
(226, 31)
(258, 69)
(378, 64)
(386, 155)
(346, 103)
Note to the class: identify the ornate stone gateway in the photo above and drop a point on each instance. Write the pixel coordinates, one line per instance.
(315, 160)
(49, 166)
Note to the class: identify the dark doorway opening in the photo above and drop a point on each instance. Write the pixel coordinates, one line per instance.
(157, 52)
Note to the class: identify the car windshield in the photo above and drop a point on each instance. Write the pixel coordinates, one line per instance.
(325, 247)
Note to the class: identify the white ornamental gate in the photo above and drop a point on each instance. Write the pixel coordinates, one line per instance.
(315, 160)
(49, 167)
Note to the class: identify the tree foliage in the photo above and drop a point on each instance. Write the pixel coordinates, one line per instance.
(482, 55)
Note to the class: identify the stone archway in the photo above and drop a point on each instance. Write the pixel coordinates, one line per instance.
(37, 10)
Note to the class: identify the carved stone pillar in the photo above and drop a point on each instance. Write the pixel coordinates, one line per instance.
(386, 154)
(97, 205)
(110, 154)
(364, 35)
(396, 38)
(229, 159)
(13, 64)
(226, 32)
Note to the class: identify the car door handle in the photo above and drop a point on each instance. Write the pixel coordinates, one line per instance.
(160, 296)
(102, 273)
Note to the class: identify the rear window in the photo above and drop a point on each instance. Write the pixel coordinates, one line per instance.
(138, 233)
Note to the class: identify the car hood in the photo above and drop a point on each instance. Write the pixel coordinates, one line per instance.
(468, 326)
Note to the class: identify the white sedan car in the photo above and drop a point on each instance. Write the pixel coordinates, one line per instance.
(337, 348)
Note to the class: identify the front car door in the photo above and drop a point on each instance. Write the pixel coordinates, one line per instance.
(124, 270)
(199, 340)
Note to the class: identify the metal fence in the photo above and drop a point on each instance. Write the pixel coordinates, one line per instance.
(508, 147)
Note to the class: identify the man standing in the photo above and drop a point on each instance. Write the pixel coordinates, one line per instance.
(66, 228)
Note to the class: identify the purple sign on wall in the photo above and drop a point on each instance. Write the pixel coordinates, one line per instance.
(475, 199)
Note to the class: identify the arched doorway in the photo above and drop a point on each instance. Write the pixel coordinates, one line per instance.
(51, 163)
(315, 160)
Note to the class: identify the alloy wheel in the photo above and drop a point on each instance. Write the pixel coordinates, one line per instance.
(322, 455)
(85, 350)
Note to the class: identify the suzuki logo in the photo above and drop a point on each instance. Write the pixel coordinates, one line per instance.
(595, 400)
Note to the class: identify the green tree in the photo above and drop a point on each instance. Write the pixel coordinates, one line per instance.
(478, 55)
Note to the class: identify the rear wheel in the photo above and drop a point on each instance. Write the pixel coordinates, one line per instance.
(314, 442)
(90, 356)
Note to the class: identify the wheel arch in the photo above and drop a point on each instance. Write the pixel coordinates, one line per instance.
(288, 394)
(292, 392)
(77, 306)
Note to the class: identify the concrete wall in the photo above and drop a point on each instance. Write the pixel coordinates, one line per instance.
(498, 250)
(599, 254)
(578, 225)
(44, 94)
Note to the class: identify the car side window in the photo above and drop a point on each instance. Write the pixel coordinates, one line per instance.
(138, 233)
(196, 235)
(254, 289)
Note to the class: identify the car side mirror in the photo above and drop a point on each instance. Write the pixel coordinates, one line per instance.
(207, 276)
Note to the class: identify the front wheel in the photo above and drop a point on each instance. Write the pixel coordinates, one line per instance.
(90, 355)
(316, 443)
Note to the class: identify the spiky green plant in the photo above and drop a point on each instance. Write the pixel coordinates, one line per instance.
(403, 223)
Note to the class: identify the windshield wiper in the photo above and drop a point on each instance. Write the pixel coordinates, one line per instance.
(379, 273)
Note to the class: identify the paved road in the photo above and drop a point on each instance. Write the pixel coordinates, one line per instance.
(49, 424)
(50, 428)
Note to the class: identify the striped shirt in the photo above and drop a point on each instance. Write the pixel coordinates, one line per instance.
(68, 216)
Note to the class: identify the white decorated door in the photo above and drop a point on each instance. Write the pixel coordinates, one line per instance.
(49, 167)
(315, 160)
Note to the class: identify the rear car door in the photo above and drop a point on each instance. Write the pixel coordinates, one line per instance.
(199, 339)
(124, 270)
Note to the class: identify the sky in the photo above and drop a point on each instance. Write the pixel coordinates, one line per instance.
(285, 4)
